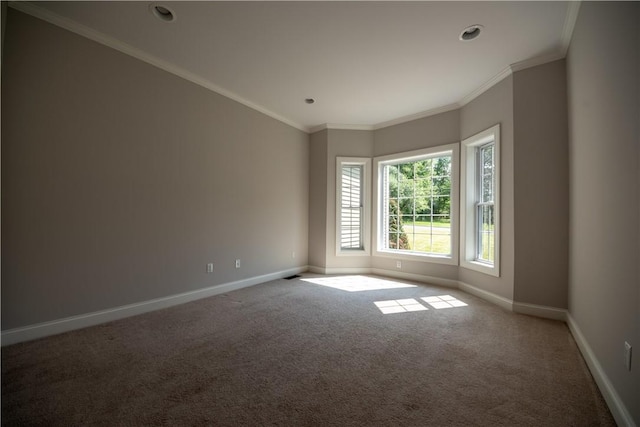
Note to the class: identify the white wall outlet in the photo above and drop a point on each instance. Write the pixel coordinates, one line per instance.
(627, 355)
(237, 263)
(293, 254)
(210, 267)
(398, 264)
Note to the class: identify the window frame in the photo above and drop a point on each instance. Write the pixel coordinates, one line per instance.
(471, 200)
(378, 200)
(365, 218)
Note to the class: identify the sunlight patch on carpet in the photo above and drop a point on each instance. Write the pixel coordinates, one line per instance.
(443, 301)
(399, 306)
(411, 304)
(356, 283)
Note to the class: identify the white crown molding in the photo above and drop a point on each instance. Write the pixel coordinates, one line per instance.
(573, 7)
(485, 86)
(518, 66)
(534, 62)
(75, 27)
(416, 116)
(318, 128)
(336, 126)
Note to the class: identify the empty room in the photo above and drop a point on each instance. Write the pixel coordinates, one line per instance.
(320, 213)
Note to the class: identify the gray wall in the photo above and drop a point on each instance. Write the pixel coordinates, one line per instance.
(121, 181)
(541, 183)
(492, 107)
(326, 146)
(430, 131)
(3, 14)
(318, 199)
(604, 281)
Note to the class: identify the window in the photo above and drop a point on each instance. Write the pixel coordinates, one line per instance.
(485, 206)
(416, 204)
(353, 180)
(480, 225)
(351, 208)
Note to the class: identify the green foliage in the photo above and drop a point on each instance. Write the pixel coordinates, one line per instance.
(422, 187)
(419, 198)
(397, 237)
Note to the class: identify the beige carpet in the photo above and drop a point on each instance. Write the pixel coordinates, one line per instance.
(297, 353)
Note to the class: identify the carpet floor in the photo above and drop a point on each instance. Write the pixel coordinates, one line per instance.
(312, 351)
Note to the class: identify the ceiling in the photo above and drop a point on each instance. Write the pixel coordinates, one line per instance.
(366, 64)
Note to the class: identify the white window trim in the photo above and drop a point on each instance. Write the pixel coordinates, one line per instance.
(379, 163)
(468, 199)
(366, 213)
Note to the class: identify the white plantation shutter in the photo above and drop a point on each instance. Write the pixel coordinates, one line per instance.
(351, 207)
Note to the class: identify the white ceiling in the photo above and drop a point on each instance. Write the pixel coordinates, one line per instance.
(367, 64)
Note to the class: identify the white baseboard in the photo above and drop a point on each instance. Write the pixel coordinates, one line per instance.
(339, 270)
(416, 277)
(503, 302)
(347, 270)
(40, 330)
(540, 311)
(316, 269)
(616, 406)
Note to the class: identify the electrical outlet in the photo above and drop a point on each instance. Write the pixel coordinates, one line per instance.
(627, 355)
(237, 263)
(398, 264)
(210, 267)
(293, 254)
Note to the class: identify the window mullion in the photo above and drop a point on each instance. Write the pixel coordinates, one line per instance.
(409, 209)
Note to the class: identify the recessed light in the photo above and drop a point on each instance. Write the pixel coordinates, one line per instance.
(309, 100)
(162, 12)
(470, 33)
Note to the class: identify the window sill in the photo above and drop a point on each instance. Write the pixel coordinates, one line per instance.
(415, 256)
(491, 270)
(352, 252)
